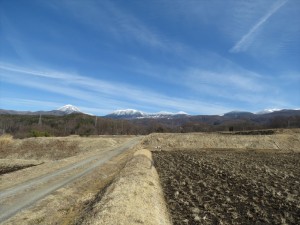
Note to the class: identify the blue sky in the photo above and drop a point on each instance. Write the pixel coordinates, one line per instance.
(201, 57)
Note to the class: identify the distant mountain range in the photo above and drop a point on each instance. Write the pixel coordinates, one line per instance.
(62, 111)
(132, 114)
(135, 114)
(264, 113)
(59, 122)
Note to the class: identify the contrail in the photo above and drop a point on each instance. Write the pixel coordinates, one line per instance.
(244, 41)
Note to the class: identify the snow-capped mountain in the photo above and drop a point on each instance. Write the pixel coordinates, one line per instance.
(132, 114)
(135, 114)
(124, 112)
(164, 114)
(68, 109)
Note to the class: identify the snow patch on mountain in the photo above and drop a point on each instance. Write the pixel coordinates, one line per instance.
(136, 114)
(68, 109)
(266, 111)
(127, 112)
(169, 113)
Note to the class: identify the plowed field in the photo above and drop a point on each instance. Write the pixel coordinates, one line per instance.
(230, 187)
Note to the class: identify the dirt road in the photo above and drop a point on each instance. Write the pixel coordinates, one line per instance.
(16, 198)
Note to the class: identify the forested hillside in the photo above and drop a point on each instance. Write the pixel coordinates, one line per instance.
(22, 126)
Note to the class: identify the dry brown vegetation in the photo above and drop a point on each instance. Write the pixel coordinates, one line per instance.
(70, 204)
(230, 187)
(8, 166)
(39, 148)
(281, 140)
(51, 152)
(9, 169)
(135, 197)
(5, 140)
(208, 178)
(55, 148)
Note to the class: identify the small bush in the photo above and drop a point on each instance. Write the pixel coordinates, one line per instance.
(36, 133)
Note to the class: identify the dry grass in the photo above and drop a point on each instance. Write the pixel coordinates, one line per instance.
(12, 165)
(71, 204)
(54, 148)
(37, 148)
(5, 140)
(134, 195)
(134, 198)
(285, 141)
(10, 169)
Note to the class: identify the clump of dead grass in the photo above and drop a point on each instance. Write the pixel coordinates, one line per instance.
(5, 140)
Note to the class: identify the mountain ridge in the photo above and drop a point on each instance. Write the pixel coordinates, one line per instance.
(61, 111)
(132, 114)
(60, 123)
(136, 114)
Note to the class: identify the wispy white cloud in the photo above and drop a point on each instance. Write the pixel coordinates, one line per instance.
(247, 39)
(121, 25)
(67, 84)
(50, 105)
(224, 80)
(206, 76)
(11, 36)
(239, 86)
(103, 93)
(20, 42)
(246, 81)
(291, 77)
(219, 79)
(31, 102)
(56, 75)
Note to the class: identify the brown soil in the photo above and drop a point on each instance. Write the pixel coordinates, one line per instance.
(230, 187)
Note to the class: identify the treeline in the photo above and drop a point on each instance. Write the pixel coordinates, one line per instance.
(244, 124)
(218, 123)
(22, 126)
